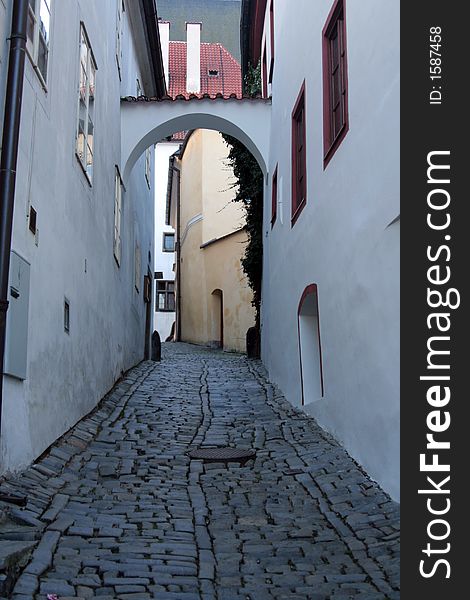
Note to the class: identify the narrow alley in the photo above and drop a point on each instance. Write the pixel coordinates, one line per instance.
(123, 512)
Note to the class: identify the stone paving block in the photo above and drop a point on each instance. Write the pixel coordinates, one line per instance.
(57, 586)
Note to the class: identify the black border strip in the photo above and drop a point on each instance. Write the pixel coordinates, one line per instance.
(429, 128)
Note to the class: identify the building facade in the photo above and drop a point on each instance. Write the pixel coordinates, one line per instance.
(331, 225)
(165, 305)
(213, 297)
(82, 245)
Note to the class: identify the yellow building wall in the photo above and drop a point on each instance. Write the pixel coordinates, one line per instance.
(212, 275)
(224, 272)
(221, 215)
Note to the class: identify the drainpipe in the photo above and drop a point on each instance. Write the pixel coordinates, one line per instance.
(178, 254)
(11, 129)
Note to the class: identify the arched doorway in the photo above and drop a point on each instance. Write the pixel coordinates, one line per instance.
(216, 319)
(311, 368)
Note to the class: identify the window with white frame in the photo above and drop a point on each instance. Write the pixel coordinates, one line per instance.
(117, 217)
(86, 105)
(120, 10)
(165, 296)
(37, 35)
(148, 157)
(168, 242)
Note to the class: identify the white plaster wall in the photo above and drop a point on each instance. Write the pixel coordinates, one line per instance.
(68, 374)
(342, 240)
(164, 261)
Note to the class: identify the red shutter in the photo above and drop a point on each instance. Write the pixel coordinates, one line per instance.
(335, 81)
(299, 156)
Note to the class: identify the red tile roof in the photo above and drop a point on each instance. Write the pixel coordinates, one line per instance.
(214, 57)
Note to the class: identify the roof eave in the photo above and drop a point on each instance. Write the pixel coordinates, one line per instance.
(143, 19)
(154, 47)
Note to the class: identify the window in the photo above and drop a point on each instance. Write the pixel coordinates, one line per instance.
(335, 85)
(168, 242)
(299, 172)
(86, 106)
(165, 296)
(271, 25)
(66, 316)
(264, 75)
(274, 198)
(213, 73)
(120, 9)
(38, 29)
(148, 159)
(117, 217)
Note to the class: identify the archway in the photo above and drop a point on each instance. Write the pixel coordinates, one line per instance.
(311, 368)
(144, 123)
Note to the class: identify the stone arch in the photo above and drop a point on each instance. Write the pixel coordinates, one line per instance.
(146, 123)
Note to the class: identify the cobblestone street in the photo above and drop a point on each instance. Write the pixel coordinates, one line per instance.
(124, 513)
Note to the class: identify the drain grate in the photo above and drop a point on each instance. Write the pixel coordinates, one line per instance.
(225, 455)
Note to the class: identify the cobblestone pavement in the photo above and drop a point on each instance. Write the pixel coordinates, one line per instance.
(126, 514)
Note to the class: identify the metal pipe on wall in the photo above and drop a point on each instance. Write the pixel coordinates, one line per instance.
(8, 162)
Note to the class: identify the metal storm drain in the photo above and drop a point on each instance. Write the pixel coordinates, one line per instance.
(225, 455)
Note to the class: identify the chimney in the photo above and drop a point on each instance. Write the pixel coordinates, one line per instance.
(193, 57)
(164, 30)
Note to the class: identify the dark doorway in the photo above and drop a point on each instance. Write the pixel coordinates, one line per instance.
(216, 322)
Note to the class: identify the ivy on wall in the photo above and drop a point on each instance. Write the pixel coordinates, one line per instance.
(249, 191)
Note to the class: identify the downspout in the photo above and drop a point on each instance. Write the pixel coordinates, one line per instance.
(11, 129)
(178, 254)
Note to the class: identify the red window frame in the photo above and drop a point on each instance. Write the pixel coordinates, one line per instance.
(299, 156)
(264, 74)
(335, 81)
(271, 30)
(274, 198)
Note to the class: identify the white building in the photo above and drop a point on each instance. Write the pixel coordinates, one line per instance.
(164, 244)
(82, 246)
(330, 314)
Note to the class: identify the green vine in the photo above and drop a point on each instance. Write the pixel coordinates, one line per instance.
(249, 190)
